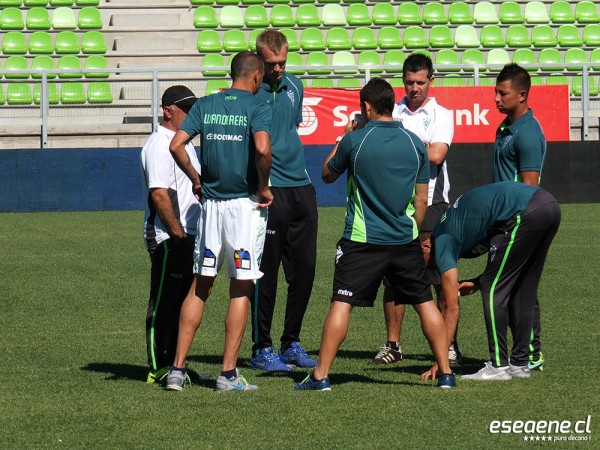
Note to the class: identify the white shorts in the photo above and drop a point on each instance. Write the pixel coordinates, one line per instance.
(233, 231)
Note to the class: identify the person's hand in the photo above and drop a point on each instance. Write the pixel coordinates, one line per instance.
(197, 190)
(265, 197)
(430, 374)
(467, 287)
(426, 249)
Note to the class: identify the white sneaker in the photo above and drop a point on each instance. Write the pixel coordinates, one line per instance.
(490, 373)
(519, 371)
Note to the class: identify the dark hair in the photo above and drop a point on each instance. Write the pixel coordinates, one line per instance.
(244, 64)
(380, 95)
(272, 39)
(415, 62)
(519, 78)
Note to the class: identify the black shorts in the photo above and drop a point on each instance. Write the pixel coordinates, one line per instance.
(433, 215)
(360, 268)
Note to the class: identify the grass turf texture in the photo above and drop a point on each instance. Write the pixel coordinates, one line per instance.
(74, 295)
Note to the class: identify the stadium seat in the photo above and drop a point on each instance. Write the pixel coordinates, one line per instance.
(446, 57)
(453, 80)
(231, 17)
(595, 58)
(491, 36)
(483, 81)
(312, 39)
(536, 80)
(32, 3)
(52, 92)
(349, 83)
(465, 36)
(294, 59)
(518, 36)
(415, 37)
(555, 79)
(322, 83)
(205, 17)
(485, 13)
(55, 3)
(96, 62)
(472, 57)
(543, 36)
(510, 12)
(577, 86)
(535, 12)
(43, 62)
(234, 41)
(333, 15)
(363, 38)
(396, 82)
(72, 93)
(347, 1)
(70, 62)
(227, 2)
(409, 14)
(256, 16)
(574, 56)
(423, 52)
(434, 14)
(358, 15)
(460, 13)
(66, 43)
(40, 43)
(389, 38)
(587, 12)
(89, 18)
(292, 38)
(2, 95)
(338, 39)
(92, 42)
(369, 58)
(343, 58)
(252, 38)
(214, 86)
(550, 56)
(394, 58)
(561, 12)
(209, 42)
(314, 61)
(568, 36)
(440, 36)
(591, 35)
(523, 56)
(19, 94)
(308, 16)
(38, 18)
(87, 2)
(99, 92)
(201, 2)
(383, 14)
(11, 19)
(252, 2)
(9, 3)
(63, 18)
(14, 43)
(16, 62)
(497, 56)
(282, 16)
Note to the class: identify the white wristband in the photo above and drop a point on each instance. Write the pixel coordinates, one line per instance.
(338, 139)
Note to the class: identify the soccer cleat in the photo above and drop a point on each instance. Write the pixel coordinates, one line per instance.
(237, 383)
(157, 375)
(519, 371)
(268, 361)
(447, 381)
(177, 379)
(387, 355)
(537, 365)
(490, 373)
(296, 355)
(309, 385)
(454, 356)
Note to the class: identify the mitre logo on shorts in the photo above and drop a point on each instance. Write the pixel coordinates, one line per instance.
(210, 260)
(242, 259)
(344, 292)
(493, 250)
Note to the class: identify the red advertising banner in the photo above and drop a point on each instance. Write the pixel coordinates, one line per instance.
(327, 111)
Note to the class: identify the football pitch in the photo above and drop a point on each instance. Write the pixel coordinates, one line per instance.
(74, 290)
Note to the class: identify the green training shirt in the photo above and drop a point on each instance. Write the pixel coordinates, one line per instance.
(384, 162)
(226, 122)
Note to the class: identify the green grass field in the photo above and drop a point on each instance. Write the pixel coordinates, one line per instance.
(73, 302)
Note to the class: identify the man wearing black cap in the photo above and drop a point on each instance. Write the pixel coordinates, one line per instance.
(169, 231)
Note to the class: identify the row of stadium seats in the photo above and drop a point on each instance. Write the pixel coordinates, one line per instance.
(92, 65)
(38, 18)
(51, 3)
(41, 43)
(73, 92)
(233, 16)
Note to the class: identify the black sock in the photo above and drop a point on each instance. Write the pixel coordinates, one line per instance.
(394, 345)
(229, 373)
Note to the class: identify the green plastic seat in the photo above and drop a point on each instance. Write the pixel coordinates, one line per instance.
(440, 36)
(19, 94)
(577, 86)
(557, 79)
(453, 80)
(338, 39)
(234, 41)
(99, 92)
(14, 43)
(227, 2)
(518, 36)
(252, 39)
(423, 52)
(524, 56)
(369, 58)
(497, 56)
(510, 12)
(231, 17)
(282, 16)
(16, 62)
(591, 35)
(40, 43)
(312, 39)
(205, 17)
(294, 59)
(11, 19)
(568, 36)
(89, 18)
(315, 61)
(43, 62)
(574, 56)
(63, 18)
(409, 14)
(363, 38)
(322, 83)
(383, 14)
(395, 59)
(38, 18)
(292, 38)
(536, 80)
(358, 15)
(472, 57)
(434, 14)
(252, 2)
(214, 86)
(343, 58)
(33, 3)
(492, 36)
(201, 2)
(543, 36)
(535, 12)
(465, 36)
(92, 42)
(561, 12)
(396, 82)
(587, 12)
(550, 56)
(96, 62)
(2, 95)
(595, 58)
(415, 37)
(72, 93)
(460, 13)
(87, 2)
(66, 43)
(347, 1)
(483, 81)
(299, 2)
(333, 15)
(55, 3)
(307, 15)
(389, 38)
(9, 3)
(349, 83)
(209, 42)
(485, 13)
(69, 62)
(256, 16)
(446, 57)
(52, 92)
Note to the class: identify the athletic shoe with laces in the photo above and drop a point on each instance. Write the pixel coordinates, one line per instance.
(490, 373)
(237, 383)
(268, 361)
(387, 355)
(296, 355)
(519, 371)
(309, 385)
(538, 364)
(177, 379)
(157, 375)
(447, 381)
(454, 356)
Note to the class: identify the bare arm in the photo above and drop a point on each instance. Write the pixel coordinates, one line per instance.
(420, 202)
(164, 208)
(177, 149)
(327, 175)
(262, 141)
(436, 152)
(531, 178)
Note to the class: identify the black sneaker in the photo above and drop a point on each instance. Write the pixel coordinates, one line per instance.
(387, 355)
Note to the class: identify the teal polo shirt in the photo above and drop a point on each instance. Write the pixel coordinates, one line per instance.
(520, 147)
(384, 162)
(466, 224)
(226, 122)
(288, 167)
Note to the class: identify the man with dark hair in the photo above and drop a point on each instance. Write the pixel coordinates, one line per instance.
(519, 155)
(236, 158)
(387, 166)
(291, 238)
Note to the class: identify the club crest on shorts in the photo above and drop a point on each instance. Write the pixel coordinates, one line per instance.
(493, 250)
(209, 260)
(242, 259)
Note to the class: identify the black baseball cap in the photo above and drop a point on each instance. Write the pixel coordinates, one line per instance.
(178, 95)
